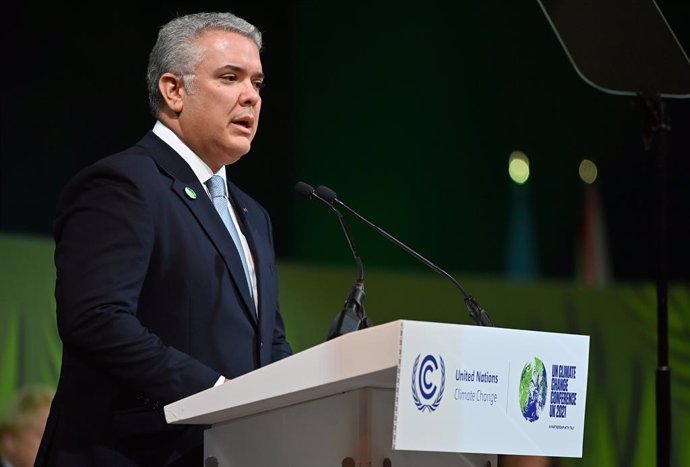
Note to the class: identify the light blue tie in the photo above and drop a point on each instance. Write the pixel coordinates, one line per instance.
(216, 188)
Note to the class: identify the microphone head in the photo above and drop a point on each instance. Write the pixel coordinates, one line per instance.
(304, 189)
(326, 193)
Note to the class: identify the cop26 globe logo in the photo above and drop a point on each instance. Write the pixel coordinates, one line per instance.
(428, 382)
(533, 386)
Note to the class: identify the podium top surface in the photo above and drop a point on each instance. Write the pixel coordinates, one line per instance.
(366, 358)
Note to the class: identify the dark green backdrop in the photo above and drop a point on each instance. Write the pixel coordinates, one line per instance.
(410, 113)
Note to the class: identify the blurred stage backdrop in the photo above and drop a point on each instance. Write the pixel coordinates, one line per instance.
(411, 114)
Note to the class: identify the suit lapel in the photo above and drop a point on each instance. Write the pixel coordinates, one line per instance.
(190, 191)
(210, 221)
(258, 233)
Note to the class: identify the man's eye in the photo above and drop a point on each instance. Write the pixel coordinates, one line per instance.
(259, 85)
(229, 77)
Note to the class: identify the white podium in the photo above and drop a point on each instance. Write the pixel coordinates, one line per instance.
(401, 394)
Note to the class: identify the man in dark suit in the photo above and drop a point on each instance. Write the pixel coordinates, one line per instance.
(161, 291)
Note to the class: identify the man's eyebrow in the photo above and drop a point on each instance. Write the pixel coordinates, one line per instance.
(239, 69)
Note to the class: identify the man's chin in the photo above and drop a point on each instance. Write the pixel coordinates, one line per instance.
(237, 153)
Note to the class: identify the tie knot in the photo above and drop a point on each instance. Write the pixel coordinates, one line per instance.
(216, 186)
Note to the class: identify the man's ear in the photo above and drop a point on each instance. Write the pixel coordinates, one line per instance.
(171, 89)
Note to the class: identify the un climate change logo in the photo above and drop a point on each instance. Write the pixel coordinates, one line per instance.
(533, 387)
(429, 392)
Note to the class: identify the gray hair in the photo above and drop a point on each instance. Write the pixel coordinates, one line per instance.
(175, 50)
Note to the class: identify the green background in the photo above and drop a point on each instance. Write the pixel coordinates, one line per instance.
(620, 320)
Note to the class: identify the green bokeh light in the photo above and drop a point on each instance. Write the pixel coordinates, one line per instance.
(518, 167)
(588, 171)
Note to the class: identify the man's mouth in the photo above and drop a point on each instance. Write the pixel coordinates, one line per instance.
(246, 121)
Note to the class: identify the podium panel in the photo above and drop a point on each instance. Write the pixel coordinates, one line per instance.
(354, 428)
(481, 389)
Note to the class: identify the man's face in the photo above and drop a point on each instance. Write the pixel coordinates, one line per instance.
(220, 112)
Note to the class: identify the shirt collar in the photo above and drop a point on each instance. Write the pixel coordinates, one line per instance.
(202, 171)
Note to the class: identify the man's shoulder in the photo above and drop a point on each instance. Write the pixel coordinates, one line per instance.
(133, 162)
(143, 154)
(135, 166)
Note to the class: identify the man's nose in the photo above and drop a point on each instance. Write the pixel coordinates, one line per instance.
(250, 95)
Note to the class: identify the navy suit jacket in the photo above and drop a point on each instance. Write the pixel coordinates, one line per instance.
(152, 306)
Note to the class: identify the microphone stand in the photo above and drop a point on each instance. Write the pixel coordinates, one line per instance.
(477, 313)
(353, 316)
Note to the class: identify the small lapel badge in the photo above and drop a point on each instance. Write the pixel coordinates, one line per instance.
(191, 193)
(244, 210)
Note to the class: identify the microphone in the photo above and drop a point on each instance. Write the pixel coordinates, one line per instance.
(353, 316)
(477, 314)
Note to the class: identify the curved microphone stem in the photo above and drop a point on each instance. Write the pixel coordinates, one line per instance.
(308, 191)
(353, 316)
(477, 314)
(409, 250)
(350, 241)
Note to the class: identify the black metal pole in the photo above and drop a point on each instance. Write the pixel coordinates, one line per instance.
(663, 371)
(656, 123)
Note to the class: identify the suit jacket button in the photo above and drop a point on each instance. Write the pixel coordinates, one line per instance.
(261, 345)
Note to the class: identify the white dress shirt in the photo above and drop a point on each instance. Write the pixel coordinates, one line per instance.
(203, 172)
